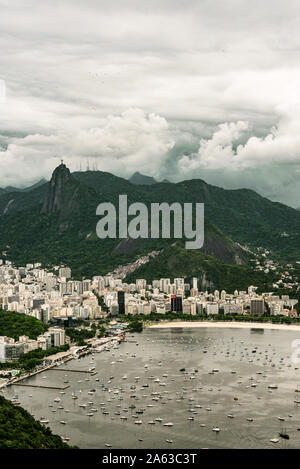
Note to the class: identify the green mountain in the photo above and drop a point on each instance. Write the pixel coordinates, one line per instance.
(242, 214)
(55, 223)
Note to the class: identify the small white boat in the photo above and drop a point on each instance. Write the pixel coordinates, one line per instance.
(44, 420)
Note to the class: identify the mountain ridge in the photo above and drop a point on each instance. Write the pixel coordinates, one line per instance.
(23, 189)
(56, 222)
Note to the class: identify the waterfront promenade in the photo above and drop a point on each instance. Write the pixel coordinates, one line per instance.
(75, 352)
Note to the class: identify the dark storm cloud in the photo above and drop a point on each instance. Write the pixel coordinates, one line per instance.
(181, 89)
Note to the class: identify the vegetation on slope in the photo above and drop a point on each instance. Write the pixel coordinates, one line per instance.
(19, 430)
(178, 262)
(17, 324)
(79, 335)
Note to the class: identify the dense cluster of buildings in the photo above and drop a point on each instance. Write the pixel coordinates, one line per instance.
(163, 296)
(46, 295)
(284, 274)
(53, 295)
(49, 295)
(11, 349)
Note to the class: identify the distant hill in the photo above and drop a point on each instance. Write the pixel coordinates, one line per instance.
(138, 178)
(24, 189)
(56, 223)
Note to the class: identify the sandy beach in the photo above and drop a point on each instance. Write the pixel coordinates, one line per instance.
(241, 325)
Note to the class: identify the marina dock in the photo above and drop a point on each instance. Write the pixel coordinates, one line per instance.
(69, 371)
(42, 386)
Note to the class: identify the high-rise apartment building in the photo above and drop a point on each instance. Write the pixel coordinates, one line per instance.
(121, 302)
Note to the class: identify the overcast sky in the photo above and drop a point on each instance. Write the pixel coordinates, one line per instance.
(175, 89)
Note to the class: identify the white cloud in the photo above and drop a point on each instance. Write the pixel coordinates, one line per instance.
(121, 144)
(270, 164)
(280, 146)
(217, 151)
(137, 85)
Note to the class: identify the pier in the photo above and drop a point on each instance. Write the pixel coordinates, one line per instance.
(42, 386)
(69, 371)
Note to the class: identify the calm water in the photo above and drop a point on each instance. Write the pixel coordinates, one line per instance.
(184, 395)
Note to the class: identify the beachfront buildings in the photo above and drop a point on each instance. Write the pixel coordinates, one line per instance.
(55, 296)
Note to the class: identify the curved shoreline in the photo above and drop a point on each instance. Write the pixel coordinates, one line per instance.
(229, 324)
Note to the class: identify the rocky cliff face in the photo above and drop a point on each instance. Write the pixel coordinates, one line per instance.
(62, 193)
